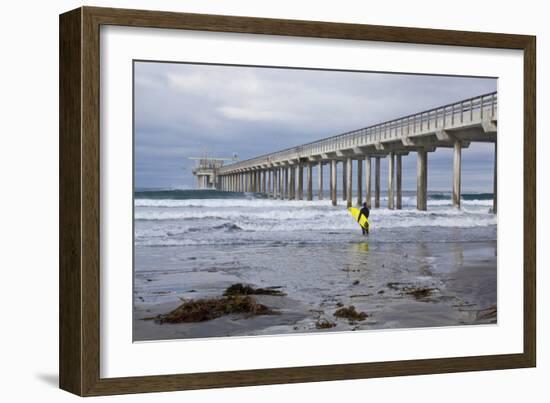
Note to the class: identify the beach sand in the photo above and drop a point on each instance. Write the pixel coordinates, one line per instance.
(397, 284)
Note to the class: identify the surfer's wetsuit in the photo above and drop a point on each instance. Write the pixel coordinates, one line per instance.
(364, 211)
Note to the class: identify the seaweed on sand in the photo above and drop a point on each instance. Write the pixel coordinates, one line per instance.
(240, 289)
(350, 313)
(419, 292)
(201, 310)
(324, 324)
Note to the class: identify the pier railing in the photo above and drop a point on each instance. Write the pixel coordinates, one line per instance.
(458, 114)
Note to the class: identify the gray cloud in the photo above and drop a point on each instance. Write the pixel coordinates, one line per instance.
(184, 110)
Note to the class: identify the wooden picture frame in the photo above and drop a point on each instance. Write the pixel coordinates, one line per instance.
(79, 346)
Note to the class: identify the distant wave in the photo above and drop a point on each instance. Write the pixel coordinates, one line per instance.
(198, 194)
(252, 202)
(464, 196)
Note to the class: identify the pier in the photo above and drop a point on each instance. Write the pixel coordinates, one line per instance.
(281, 174)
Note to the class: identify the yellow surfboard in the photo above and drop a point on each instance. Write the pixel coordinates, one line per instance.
(355, 213)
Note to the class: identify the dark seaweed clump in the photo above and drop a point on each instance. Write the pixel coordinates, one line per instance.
(211, 308)
(350, 313)
(324, 324)
(418, 292)
(240, 289)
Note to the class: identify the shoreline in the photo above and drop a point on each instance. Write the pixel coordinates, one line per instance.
(399, 285)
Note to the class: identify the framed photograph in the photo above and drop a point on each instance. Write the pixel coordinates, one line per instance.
(248, 201)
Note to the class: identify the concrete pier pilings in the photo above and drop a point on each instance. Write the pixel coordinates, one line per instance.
(391, 177)
(292, 183)
(344, 180)
(300, 169)
(320, 181)
(287, 186)
(333, 182)
(280, 174)
(377, 182)
(368, 196)
(457, 157)
(398, 182)
(309, 190)
(349, 182)
(359, 182)
(422, 180)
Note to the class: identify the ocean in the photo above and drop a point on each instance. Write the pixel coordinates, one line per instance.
(193, 244)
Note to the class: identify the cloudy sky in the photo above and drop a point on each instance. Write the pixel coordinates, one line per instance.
(189, 110)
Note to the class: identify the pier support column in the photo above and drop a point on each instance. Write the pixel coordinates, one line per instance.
(333, 181)
(377, 183)
(344, 177)
(391, 175)
(359, 182)
(398, 182)
(368, 196)
(457, 162)
(320, 181)
(287, 183)
(300, 169)
(309, 181)
(495, 182)
(274, 182)
(281, 177)
(292, 195)
(422, 180)
(264, 181)
(349, 182)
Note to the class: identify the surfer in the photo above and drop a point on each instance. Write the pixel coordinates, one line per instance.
(364, 211)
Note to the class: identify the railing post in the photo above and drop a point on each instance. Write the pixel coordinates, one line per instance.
(453, 115)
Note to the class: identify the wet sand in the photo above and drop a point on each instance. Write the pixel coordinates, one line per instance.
(398, 285)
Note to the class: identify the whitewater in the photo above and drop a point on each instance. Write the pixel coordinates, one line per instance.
(207, 217)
